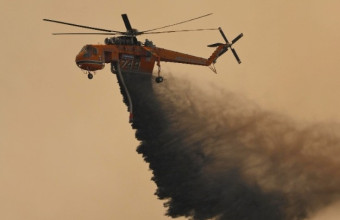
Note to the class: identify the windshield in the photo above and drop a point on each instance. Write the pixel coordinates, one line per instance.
(89, 51)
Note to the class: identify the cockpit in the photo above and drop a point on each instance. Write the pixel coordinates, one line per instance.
(88, 51)
(89, 59)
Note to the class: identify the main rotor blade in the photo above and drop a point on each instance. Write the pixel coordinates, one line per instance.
(84, 33)
(126, 22)
(83, 26)
(177, 23)
(165, 32)
(237, 38)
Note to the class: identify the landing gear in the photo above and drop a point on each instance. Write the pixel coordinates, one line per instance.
(90, 75)
(159, 79)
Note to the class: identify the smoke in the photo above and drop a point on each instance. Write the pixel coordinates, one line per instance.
(218, 156)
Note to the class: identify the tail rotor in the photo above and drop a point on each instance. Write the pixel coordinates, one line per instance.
(228, 45)
(231, 44)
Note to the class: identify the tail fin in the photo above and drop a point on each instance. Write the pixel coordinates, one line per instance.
(222, 48)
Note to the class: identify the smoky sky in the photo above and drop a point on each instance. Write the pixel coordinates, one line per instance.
(216, 155)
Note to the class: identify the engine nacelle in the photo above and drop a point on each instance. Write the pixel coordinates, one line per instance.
(123, 40)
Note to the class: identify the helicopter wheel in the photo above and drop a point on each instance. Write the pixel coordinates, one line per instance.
(90, 75)
(159, 79)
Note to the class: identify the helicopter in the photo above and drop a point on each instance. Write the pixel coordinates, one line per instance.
(128, 56)
(126, 53)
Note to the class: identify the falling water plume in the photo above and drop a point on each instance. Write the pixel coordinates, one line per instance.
(215, 155)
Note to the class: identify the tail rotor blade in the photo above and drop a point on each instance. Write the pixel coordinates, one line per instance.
(126, 22)
(224, 37)
(237, 38)
(236, 56)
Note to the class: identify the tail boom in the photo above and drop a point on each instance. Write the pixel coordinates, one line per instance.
(220, 50)
(176, 57)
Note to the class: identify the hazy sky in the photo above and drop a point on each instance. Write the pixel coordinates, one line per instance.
(66, 148)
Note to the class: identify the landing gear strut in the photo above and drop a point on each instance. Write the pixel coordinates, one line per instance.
(159, 79)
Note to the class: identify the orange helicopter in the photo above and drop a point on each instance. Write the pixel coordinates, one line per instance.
(135, 56)
(127, 55)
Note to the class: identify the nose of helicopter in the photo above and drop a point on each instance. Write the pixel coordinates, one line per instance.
(88, 59)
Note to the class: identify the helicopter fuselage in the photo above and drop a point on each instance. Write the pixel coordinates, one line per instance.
(135, 57)
(128, 54)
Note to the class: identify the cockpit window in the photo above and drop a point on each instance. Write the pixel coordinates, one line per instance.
(95, 51)
(89, 51)
(83, 49)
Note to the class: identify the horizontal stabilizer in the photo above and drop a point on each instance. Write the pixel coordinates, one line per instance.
(215, 45)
